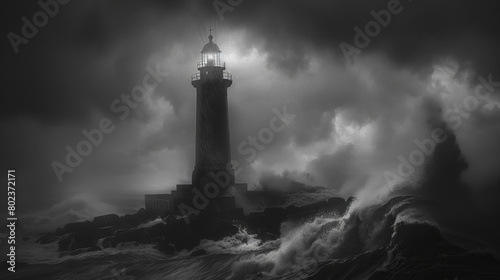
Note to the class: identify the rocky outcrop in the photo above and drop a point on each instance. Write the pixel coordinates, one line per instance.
(48, 237)
(213, 225)
(126, 235)
(74, 236)
(65, 242)
(149, 233)
(110, 220)
(175, 234)
(135, 219)
(106, 231)
(106, 242)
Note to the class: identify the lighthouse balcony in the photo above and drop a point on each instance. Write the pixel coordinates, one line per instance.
(225, 76)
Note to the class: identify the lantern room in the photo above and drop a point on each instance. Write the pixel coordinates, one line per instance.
(210, 54)
(210, 66)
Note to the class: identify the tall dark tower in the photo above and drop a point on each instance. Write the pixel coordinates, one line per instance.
(213, 153)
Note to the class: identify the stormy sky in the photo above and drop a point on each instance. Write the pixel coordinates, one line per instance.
(357, 110)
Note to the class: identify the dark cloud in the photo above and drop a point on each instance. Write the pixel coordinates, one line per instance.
(84, 58)
(90, 36)
(423, 33)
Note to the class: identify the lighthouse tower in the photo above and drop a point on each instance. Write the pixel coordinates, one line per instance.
(213, 180)
(213, 154)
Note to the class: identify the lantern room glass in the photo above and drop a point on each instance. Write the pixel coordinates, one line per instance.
(210, 59)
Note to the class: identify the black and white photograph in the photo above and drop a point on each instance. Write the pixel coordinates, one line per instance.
(250, 140)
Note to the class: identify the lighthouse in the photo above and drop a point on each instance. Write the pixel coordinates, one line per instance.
(213, 180)
(213, 152)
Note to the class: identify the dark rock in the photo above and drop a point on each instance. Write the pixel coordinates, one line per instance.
(224, 230)
(291, 209)
(142, 213)
(166, 248)
(314, 207)
(83, 239)
(157, 230)
(106, 220)
(84, 234)
(59, 232)
(410, 240)
(275, 211)
(129, 220)
(263, 223)
(125, 245)
(257, 215)
(175, 229)
(187, 241)
(126, 235)
(337, 204)
(213, 226)
(49, 237)
(157, 240)
(169, 219)
(235, 213)
(106, 231)
(65, 242)
(197, 253)
(135, 219)
(269, 236)
(26, 238)
(178, 234)
(106, 242)
(335, 201)
(78, 227)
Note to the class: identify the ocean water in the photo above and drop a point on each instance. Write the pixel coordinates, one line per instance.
(393, 240)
